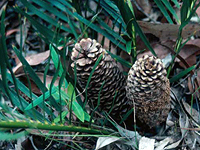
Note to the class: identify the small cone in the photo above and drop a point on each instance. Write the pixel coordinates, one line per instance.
(113, 94)
(149, 88)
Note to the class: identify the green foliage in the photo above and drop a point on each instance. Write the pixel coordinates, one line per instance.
(181, 74)
(65, 23)
(11, 136)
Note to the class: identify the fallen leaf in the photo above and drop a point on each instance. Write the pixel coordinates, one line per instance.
(33, 60)
(104, 141)
(160, 50)
(192, 85)
(167, 31)
(160, 145)
(9, 32)
(193, 112)
(192, 50)
(184, 123)
(146, 143)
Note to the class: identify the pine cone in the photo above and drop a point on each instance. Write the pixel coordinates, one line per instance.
(84, 55)
(149, 88)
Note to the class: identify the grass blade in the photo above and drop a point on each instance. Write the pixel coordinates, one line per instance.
(181, 74)
(163, 10)
(172, 11)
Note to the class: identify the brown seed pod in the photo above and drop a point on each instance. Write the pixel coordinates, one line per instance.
(149, 88)
(113, 94)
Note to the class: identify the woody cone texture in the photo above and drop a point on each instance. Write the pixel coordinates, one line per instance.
(149, 88)
(113, 94)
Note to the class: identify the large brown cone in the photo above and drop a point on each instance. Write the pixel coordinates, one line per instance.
(149, 88)
(113, 94)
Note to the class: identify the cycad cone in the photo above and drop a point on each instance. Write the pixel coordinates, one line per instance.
(113, 94)
(149, 89)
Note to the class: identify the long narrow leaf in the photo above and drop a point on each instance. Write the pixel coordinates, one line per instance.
(170, 8)
(11, 136)
(163, 10)
(39, 100)
(181, 74)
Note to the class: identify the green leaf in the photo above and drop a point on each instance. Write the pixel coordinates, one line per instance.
(128, 47)
(185, 10)
(163, 10)
(12, 136)
(58, 14)
(3, 53)
(71, 92)
(191, 10)
(64, 96)
(120, 60)
(64, 114)
(40, 99)
(170, 8)
(112, 10)
(176, 3)
(56, 59)
(181, 74)
(45, 126)
(87, 117)
(77, 109)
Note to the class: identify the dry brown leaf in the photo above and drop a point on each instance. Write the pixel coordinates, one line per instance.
(193, 112)
(191, 60)
(190, 84)
(160, 50)
(187, 51)
(167, 31)
(33, 60)
(9, 32)
(22, 77)
(190, 51)
(48, 79)
(195, 42)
